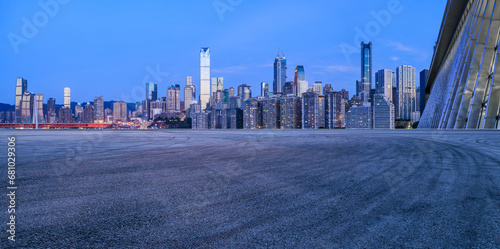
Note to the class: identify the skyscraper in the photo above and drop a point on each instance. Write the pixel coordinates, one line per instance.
(205, 92)
(244, 92)
(300, 76)
(189, 92)
(79, 112)
(366, 69)
(290, 112)
(67, 97)
(99, 108)
(279, 73)
(310, 110)
(264, 89)
(89, 114)
(317, 87)
(120, 111)
(424, 75)
(51, 110)
(383, 112)
(288, 88)
(383, 83)
(21, 87)
(406, 84)
(27, 107)
(231, 91)
(174, 99)
(216, 85)
(151, 91)
(334, 110)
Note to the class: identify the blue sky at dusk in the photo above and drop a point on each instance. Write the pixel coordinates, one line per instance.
(111, 48)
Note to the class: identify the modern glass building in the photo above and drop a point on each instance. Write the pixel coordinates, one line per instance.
(424, 75)
(279, 74)
(205, 92)
(189, 92)
(21, 87)
(300, 76)
(366, 70)
(152, 91)
(383, 83)
(463, 88)
(264, 89)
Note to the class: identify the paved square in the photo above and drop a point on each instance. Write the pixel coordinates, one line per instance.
(292, 189)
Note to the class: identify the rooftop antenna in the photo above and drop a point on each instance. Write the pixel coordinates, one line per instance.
(282, 53)
(278, 52)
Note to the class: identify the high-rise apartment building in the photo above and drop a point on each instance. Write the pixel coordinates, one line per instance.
(290, 112)
(406, 84)
(65, 115)
(21, 87)
(174, 98)
(79, 112)
(271, 113)
(120, 111)
(334, 110)
(99, 108)
(89, 114)
(205, 92)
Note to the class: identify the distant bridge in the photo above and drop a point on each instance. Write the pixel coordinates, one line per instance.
(55, 126)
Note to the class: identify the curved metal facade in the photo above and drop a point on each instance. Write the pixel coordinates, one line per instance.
(464, 85)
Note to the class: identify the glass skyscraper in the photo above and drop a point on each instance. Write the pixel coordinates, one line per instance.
(264, 89)
(152, 91)
(204, 77)
(300, 77)
(366, 70)
(279, 74)
(21, 87)
(383, 83)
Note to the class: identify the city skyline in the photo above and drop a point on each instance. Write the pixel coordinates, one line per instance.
(318, 67)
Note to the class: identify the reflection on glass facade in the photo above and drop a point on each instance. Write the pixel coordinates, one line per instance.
(21, 87)
(204, 77)
(366, 70)
(383, 83)
(300, 76)
(463, 89)
(279, 74)
(152, 91)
